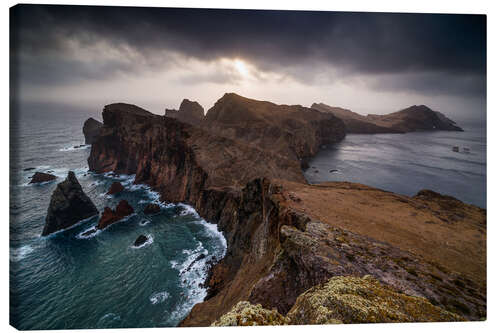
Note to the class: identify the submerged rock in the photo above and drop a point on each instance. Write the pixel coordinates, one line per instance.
(152, 209)
(40, 177)
(91, 129)
(110, 216)
(68, 205)
(116, 187)
(140, 240)
(29, 169)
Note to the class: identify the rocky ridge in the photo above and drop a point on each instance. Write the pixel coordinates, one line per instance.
(273, 221)
(411, 119)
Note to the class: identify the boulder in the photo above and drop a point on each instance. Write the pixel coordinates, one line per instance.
(140, 240)
(68, 205)
(116, 187)
(151, 209)
(40, 177)
(110, 216)
(91, 129)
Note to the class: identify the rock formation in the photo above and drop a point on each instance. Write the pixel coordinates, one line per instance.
(342, 300)
(40, 177)
(140, 240)
(151, 209)
(189, 112)
(242, 170)
(91, 129)
(68, 206)
(414, 118)
(116, 187)
(110, 216)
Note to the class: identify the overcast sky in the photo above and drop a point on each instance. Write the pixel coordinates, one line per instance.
(155, 57)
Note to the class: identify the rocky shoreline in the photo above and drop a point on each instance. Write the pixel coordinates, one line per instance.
(241, 168)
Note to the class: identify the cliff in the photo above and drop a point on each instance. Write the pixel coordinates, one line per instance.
(414, 118)
(91, 128)
(189, 112)
(285, 236)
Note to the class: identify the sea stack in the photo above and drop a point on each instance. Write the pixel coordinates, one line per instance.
(110, 216)
(91, 129)
(41, 177)
(116, 187)
(68, 205)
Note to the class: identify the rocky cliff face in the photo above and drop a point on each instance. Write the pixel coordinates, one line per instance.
(190, 112)
(285, 236)
(68, 205)
(287, 130)
(414, 118)
(91, 129)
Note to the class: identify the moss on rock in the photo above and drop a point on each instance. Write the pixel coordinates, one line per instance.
(362, 300)
(246, 314)
(343, 299)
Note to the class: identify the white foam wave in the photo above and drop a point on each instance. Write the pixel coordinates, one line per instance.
(75, 147)
(144, 222)
(92, 235)
(212, 230)
(146, 243)
(159, 297)
(188, 210)
(18, 254)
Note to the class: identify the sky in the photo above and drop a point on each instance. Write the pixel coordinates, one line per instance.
(155, 57)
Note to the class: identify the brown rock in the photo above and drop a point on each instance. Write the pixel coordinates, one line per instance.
(189, 112)
(110, 216)
(116, 187)
(91, 129)
(40, 177)
(151, 209)
(414, 118)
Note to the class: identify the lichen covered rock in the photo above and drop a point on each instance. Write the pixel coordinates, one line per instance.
(246, 314)
(362, 300)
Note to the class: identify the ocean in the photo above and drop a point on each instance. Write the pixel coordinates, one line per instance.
(408, 163)
(65, 281)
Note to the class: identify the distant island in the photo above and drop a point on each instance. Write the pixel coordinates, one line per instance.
(291, 243)
(412, 119)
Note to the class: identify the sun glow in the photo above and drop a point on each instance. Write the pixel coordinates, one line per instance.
(241, 67)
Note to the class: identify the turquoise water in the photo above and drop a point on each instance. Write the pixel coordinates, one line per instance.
(65, 281)
(407, 163)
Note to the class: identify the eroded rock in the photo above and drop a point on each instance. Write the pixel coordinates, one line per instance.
(110, 216)
(40, 177)
(91, 128)
(68, 205)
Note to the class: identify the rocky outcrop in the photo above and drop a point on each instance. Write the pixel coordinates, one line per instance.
(190, 112)
(40, 177)
(414, 118)
(342, 300)
(246, 314)
(285, 236)
(91, 128)
(68, 206)
(110, 216)
(292, 131)
(151, 209)
(116, 187)
(140, 240)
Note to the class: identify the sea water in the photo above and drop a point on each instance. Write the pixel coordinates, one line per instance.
(66, 281)
(408, 163)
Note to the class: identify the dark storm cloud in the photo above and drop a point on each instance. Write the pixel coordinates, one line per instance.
(451, 47)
